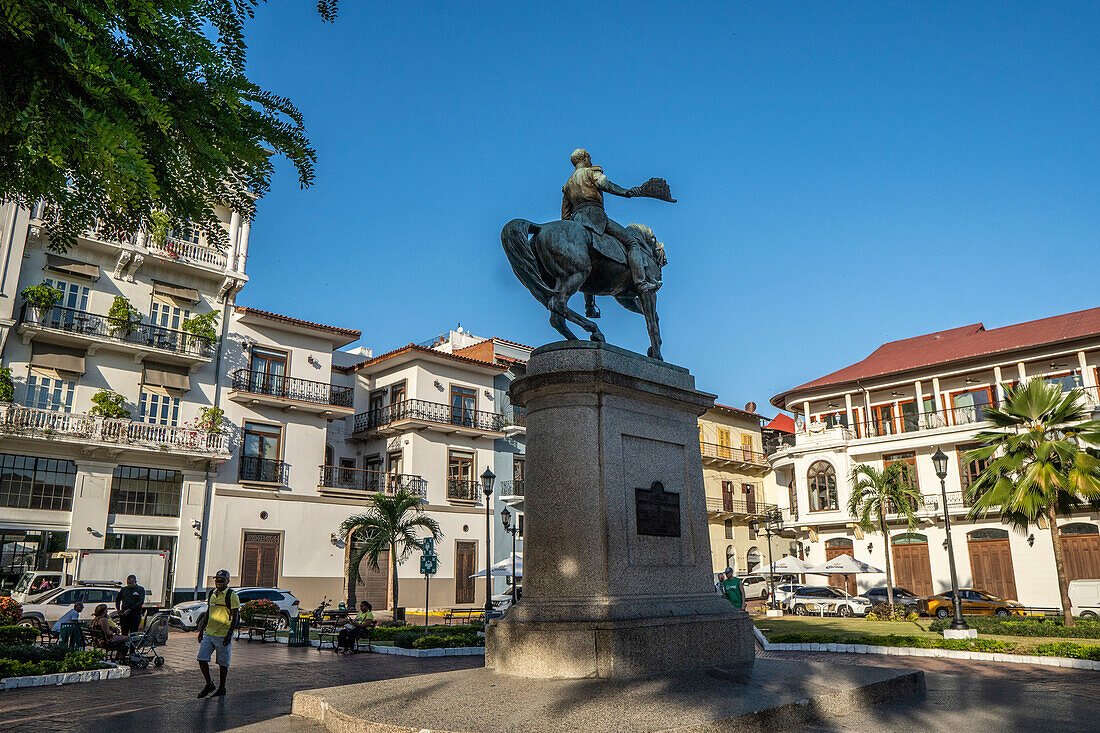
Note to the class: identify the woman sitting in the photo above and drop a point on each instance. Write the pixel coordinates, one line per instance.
(363, 620)
(113, 640)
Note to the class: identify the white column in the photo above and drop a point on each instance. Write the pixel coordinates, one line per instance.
(939, 401)
(806, 415)
(920, 403)
(1088, 377)
(1000, 389)
(234, 230)
(243, 248)
(866, 406)
(1022, 370)
(848, 410)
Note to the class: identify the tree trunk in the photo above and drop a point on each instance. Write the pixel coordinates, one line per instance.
(1060, 568)
(889, 570)
(352, 577)
(393, 559)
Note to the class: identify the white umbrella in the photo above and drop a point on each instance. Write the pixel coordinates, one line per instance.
(843, 565)
(789, 565)
(503, 569)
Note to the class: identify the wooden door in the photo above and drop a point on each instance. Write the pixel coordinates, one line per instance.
(991, 566)
(911, 567)
(727, 496)
(836, 579)
(724, 445)
(750, 498)
(1081, 548)
(260, 559)
(465, 566)
(374, 585)
(746, 447)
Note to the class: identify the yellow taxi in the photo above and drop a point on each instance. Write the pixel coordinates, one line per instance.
(974, 603)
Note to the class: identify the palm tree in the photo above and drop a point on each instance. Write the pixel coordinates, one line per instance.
(391, 522)
(875, 494)
(1039, 466)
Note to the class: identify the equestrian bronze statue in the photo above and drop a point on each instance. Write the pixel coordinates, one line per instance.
(588, 252)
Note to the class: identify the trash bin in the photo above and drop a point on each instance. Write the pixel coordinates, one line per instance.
(299, 632)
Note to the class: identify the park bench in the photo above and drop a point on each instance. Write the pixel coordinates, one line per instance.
(463, 616)
(263, 625)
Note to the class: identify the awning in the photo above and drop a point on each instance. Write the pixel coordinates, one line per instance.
(64, 265)
(167, 376)
(61, 358)
(175, 291)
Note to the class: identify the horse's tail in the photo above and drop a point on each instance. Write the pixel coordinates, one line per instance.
(515, 237)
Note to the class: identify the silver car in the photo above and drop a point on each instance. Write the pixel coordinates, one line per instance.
(189, 614)
(813, 600)
(49, 608)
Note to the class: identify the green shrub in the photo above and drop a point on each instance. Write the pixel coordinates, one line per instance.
(42, 296)
(1026, 626)
(7, 388)
(1069, 649)
(106, 403)
(407, 638)
(432, 641)
(259, 607)
(122, 316)
(18, 635)
(10, 611)
(919, 642)
(202, 327)
(46, 661)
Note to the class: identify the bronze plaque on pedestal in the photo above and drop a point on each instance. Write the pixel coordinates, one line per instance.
(658, 511)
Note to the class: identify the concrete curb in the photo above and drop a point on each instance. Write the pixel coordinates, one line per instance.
(65, 678)
(460, 651)
(904, 651)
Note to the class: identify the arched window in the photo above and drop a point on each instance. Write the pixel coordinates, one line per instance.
(821, 479)
(909, 538)
(1078, 528)
(731, 558)
(753, 558)
(329, 460)
(988, 534)
(839, 542)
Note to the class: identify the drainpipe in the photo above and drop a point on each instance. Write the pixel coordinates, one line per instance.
(208, 494)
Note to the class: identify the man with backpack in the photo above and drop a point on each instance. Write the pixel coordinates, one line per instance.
(216, 631)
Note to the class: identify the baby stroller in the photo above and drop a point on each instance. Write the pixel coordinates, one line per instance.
(143, 648)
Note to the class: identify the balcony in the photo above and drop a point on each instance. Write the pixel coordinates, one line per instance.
(723, 507)
(92, 331)
(290, 393)
(459, 490)
(361, 482)
(511, 488)
(90, 433)
(417, 414)
(184, 250)
(730, 457)
(254, 469)
(515, 420)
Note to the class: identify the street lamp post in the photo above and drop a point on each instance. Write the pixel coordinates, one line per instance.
(940, 461)
(487, 488)
(506, 518)
(772, 525)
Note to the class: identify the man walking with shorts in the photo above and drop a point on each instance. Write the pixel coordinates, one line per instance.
(216, 631)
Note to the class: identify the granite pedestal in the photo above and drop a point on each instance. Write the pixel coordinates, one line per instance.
(617, 562)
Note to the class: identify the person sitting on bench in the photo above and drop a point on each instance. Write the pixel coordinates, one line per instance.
(113, 639)
(351, 631)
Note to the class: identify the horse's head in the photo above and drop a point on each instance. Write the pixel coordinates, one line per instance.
(656, 249)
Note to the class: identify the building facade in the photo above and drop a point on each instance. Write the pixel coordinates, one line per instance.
(735, 471)
(901, 403)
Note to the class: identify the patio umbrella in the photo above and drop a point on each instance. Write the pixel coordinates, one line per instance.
(844, 565)
(503, 569)
(789, 565)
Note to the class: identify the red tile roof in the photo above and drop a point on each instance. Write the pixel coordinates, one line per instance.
(349, 332)
(782, 422)
(422, 350)
(957, 344)
(720, 406)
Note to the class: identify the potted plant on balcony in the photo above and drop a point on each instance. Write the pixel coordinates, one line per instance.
(42, 298)
(210, 419)
(122, 316)
(106, 403)
(158, 231)
(7, 389)
(201, 328)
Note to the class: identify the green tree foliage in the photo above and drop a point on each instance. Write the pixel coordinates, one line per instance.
(202, 327)
(7, 389)
(122, 316)
(109, 404)
(113, 109)
(392, 522)
(875, 494)
(42, 296)
(1043, 462)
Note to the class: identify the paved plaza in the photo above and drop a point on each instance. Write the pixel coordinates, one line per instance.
(961, 695)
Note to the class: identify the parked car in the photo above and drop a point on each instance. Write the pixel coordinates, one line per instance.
(189, 614)
(1084, 598)
(902, 597)
(754, 586)
(784, 592)
(813, 599)
(49, 608)
(974, 603)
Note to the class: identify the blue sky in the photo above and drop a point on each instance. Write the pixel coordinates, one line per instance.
(846, 174)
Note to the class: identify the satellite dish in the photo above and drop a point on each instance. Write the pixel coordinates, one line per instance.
(750, 407)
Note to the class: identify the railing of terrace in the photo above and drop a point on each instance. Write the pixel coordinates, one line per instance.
(304, 390)
(368, 481)
(83, 323)
(435, 412)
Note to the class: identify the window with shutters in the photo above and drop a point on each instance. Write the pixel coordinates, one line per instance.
(260, 559)
(465, 561)
(969, 472)
(158, 407)
(48, 390)
(729, 529)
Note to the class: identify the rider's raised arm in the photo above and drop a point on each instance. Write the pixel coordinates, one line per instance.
(604, 184)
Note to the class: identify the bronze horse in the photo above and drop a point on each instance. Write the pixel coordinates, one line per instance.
(557, 259)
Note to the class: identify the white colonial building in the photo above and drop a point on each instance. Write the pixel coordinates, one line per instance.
(901, 403)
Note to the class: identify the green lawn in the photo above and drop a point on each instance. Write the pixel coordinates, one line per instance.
(847, 628)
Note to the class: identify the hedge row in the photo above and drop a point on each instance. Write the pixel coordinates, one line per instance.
(17, 635)
(1029, 626)
(1069, 649)
(70, 662)
(437, 638)
(389, 633)
(921, 642)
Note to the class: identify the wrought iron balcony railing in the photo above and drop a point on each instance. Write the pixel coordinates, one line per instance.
(723, 505)
(434, 412)
(511, 488)
(304, 390)
(460, 490)
(367, 481)
(266, 470)
(83, 323)
(516, 416)
(93, 429)
(730, 453)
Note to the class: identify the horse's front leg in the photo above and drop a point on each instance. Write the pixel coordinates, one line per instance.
(649, 310)
(567, 286)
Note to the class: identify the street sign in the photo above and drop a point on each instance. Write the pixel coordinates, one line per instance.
(429, 546)
(429, 564)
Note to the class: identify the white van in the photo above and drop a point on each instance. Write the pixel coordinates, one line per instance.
(1084, 598)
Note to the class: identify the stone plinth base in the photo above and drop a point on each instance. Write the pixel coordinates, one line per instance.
(621, 648)
(960, 633)
(775, 695)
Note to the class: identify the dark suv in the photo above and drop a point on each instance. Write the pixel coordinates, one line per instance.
(902, 597)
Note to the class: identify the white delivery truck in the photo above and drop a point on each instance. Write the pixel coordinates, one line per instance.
(1084, 598)
(103, 567)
